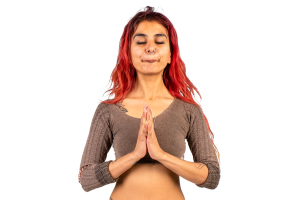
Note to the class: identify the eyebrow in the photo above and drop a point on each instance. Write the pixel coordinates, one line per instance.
(143, 35)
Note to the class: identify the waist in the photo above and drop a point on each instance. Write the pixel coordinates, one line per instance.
(148, 181)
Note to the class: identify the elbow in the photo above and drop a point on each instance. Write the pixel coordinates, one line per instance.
(89, 184)
(85, 188)
(89, 180)
(213, 178)
(96, 176)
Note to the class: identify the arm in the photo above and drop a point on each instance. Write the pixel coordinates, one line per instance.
(205, 170)
(191, 171)
(116, 168)
(122, 164)
(119, 166)
(80, 171)
(96, 173)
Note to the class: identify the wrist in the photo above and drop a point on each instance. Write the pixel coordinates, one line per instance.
(134, 156)
(161, 156)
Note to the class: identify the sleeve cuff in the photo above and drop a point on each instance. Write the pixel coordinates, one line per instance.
(213, 178)
(103, 175)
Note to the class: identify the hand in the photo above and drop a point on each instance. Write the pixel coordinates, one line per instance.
(154, 149)
(141, 149)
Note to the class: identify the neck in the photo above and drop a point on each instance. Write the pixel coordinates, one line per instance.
(149, 87)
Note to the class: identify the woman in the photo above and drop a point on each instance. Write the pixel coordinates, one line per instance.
(147, 122)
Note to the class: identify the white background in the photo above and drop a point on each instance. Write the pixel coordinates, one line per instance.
(56, 59)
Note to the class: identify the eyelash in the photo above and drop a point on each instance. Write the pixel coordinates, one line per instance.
(145, 42)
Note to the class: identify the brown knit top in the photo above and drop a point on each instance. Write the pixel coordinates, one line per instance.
(110, 126)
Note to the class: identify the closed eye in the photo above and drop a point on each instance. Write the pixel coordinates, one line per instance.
(145, 42)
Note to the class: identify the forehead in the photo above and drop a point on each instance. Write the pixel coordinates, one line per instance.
(150, 28)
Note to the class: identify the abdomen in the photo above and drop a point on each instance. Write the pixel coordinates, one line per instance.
(148, 181)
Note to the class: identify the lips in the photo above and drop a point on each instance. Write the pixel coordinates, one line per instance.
(150, 61)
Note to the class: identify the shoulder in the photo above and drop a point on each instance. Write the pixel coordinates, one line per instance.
(192, 111)
(103, 110)
(189, 107)
(105, 105)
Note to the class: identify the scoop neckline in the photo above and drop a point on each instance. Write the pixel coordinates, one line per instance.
(153, 117)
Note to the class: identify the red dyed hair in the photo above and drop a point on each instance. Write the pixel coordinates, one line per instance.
(174, 76)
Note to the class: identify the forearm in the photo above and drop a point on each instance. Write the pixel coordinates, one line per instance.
(191, 171)
(122, 164)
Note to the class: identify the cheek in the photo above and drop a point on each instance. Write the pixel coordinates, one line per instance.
(136, 51)
(166, 56)
(165, 50)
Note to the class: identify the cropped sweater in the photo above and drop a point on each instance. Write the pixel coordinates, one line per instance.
(111, 126)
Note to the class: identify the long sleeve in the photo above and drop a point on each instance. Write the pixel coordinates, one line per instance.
(99, 142)
(202, 148)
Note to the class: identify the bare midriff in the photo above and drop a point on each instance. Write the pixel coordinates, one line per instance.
(148, 181)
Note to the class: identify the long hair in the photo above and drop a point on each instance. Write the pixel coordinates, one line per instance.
(174, 76)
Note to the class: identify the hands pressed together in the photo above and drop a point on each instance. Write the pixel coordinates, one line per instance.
(147, 137)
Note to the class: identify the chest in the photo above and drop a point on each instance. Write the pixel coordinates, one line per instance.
(170, 127)
(135, 108)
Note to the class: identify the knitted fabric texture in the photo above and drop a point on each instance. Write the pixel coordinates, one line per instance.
(179, 122)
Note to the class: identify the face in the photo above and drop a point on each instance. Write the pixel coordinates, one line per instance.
(153, 37)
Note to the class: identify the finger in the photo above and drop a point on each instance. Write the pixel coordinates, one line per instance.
(149, 119)
(149, 129)
(150, 115)
(146, 114)
(150, 110)
(145, 129)
(143, 119)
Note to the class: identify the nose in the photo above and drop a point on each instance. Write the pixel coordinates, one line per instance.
(150, 48)
(151, 51)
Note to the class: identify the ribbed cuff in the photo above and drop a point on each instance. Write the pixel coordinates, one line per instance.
(103, 175)
(213, 177)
